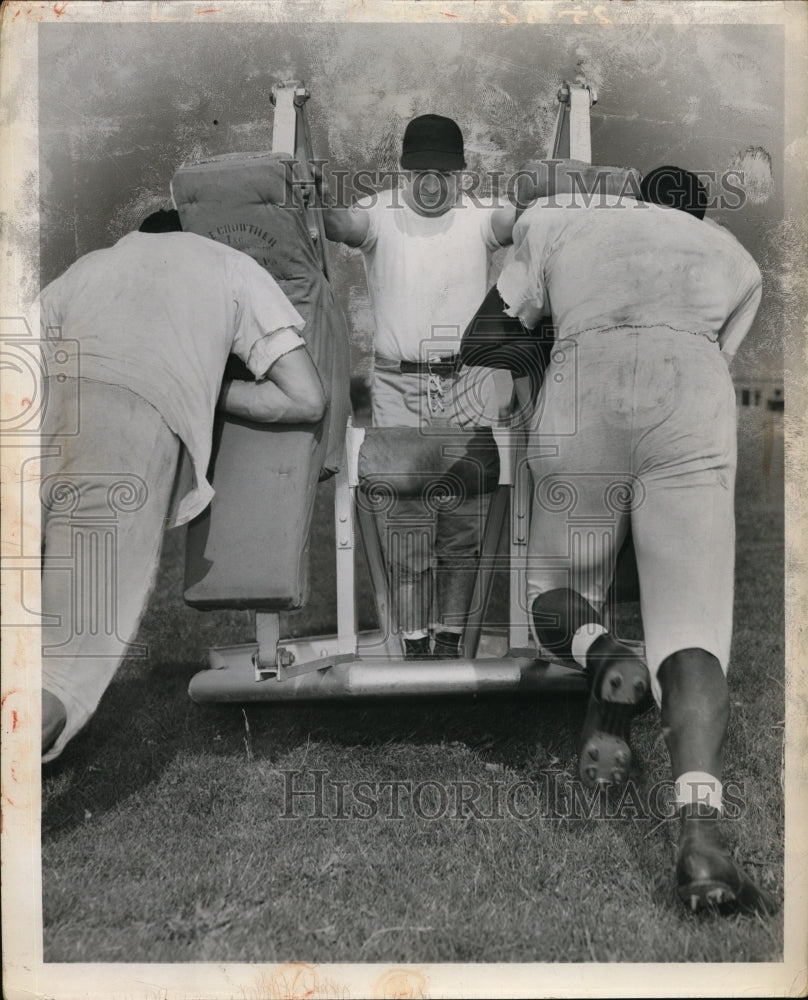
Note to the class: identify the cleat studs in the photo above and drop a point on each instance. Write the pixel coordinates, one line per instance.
(617, 776)
(615, 681)
(621, 757)
(694, 903)
(716, 896)
(591, 773)
(593, 753)
(639, 687)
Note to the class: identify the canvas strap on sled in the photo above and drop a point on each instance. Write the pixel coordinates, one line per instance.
(291, 134)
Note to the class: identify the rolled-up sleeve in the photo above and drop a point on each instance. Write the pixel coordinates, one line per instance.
(267, 324)
(266, 351)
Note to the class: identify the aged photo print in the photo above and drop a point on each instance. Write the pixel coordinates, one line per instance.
(403, 436)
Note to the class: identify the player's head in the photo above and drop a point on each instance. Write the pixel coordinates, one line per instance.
(162, 221)
(675, 187)
(432, 151)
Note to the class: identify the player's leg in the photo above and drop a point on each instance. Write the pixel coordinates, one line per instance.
(105, 499)
(695, 716)
(695, 711)
(684, 537)
(580, 457)
(406, 533)
(459, 533)
(690, 685)
(54, 719)
(406, 530)
(568, 623)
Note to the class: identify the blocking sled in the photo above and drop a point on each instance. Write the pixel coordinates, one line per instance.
(251, 548)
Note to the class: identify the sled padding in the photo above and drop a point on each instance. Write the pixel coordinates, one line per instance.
(250, 548)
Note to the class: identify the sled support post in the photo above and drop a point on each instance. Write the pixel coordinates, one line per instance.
(345, 536)
(284, 98)
(572, 134)
(495, 526)
(267, 632)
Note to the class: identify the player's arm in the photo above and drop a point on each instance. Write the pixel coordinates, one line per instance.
(291, 392)
(493, 339)
(502, 221)
(741, 318)
(487, 338)
(342, 224)
(521, 285)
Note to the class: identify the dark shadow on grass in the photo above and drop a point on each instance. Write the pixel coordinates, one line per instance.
(501, 728)
(144, 722)
(141, 725)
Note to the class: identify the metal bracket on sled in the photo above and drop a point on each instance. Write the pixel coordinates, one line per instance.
(270, 657)
(273, 660)
(572, 134)
(285, 98)
(564, 92)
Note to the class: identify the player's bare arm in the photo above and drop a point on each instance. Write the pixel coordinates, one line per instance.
(291, 393)
(347, 225)
(502, 222)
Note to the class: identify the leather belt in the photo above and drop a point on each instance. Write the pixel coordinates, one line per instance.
(444, 367)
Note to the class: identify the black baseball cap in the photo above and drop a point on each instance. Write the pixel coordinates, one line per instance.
(164, 220)
(674, 187)
(432, 142)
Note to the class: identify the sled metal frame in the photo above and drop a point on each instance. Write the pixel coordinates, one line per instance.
(371, 663)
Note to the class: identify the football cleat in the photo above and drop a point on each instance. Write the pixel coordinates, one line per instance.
(619, 686)
(707, 878)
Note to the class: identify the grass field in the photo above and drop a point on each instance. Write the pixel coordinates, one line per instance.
(167, 834)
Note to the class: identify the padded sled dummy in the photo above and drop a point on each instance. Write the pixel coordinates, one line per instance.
(250, 548)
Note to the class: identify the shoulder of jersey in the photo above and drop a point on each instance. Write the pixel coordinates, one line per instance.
(218, 247)
(722, 233)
